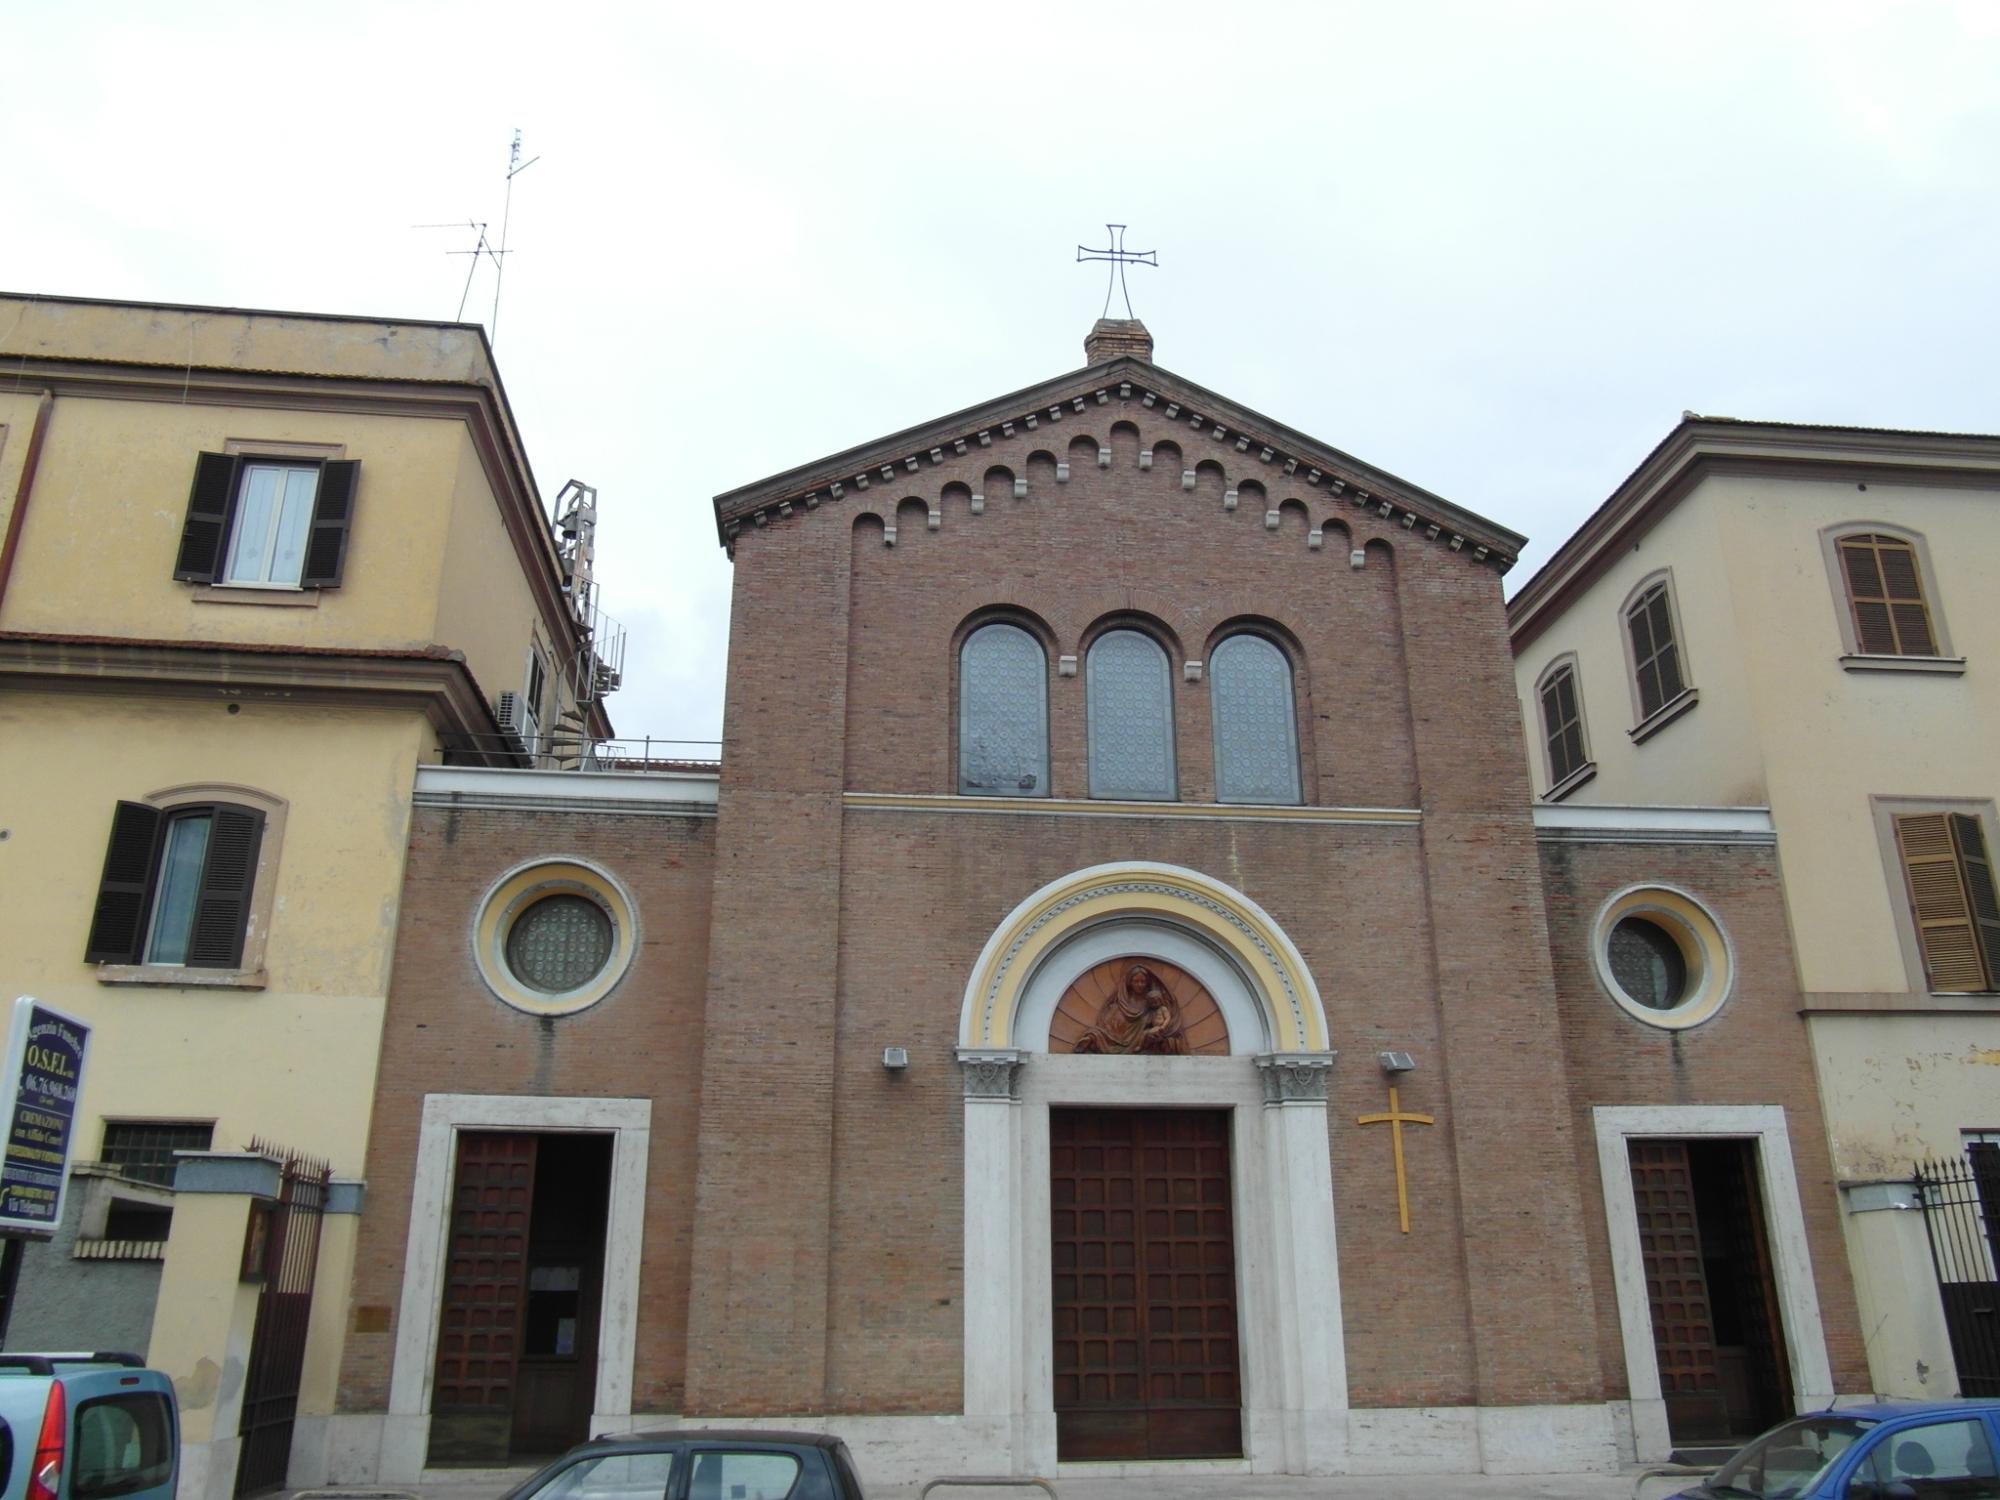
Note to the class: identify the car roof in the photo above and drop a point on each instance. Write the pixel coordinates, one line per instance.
(664, 1435)
(1889, 1411)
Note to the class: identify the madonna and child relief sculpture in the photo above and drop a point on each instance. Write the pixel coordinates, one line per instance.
(1140, 1017)
(1133, 1005)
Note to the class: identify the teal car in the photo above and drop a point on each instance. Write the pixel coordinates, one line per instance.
(1899, 1450)
(86, 1427)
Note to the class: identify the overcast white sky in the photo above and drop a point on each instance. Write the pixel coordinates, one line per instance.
(1494, 248)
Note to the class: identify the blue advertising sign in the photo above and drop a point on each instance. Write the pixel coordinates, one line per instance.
(44, 1080)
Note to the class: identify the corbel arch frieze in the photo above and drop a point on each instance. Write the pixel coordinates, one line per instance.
(1201, 432)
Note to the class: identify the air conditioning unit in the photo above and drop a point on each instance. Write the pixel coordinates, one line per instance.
(517, 723)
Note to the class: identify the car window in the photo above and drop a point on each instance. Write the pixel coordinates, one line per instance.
(612, 1476)
(1943, 1458)
(1787, 1460)
(742, 1476)
(124, 1444)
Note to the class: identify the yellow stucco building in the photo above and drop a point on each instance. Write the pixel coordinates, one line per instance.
(1797, 617)
(256, 569)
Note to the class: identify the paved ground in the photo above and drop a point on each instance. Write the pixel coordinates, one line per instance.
(486, 1484)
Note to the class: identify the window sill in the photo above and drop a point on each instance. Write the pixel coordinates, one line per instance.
(1583, 773)
(174, 977)
(236, 593)
(1943, 666)
(1664, 715)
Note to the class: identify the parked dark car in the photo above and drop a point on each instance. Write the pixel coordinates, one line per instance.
(86, 1427)
(1900, 1450)
(696, 1464)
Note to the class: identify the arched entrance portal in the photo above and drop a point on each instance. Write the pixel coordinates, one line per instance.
(1226, 1337)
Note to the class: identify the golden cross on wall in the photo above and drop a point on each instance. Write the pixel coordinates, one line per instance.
(1396, 1119)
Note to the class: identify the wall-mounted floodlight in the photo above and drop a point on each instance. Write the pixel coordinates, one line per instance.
(895, 1059)
(1396, 1062)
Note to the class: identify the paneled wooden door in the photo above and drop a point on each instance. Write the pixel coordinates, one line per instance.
(1144, 1261)
(1677, 1289)
(479, 1328)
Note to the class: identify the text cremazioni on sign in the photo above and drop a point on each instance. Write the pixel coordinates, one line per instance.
(44, 1079)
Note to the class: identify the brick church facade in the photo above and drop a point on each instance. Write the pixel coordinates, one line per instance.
(1117, 1002)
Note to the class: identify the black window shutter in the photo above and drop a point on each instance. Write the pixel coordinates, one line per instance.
(333, 508)
(206, 531)
(124, 891)
(1979, 886)
(228, 875)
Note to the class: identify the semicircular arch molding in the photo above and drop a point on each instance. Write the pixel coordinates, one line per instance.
(1225, 919)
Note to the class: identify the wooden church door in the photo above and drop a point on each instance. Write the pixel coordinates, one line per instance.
(1144, 1262)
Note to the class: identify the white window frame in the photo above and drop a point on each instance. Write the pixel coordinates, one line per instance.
(274, 531)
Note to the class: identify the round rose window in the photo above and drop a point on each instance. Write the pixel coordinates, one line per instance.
(559, 944)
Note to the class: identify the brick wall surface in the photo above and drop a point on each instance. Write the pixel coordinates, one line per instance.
(445, 1032)
(822, 1269)
(1754, 1051)
(844, 666)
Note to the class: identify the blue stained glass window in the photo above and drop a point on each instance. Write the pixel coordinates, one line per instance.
(1131, 718)
(1003, 714)
(1256, 732)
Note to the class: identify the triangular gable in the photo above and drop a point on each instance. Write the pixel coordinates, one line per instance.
(1244, 441)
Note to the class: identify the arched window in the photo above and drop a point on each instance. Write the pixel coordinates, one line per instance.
(1131, 718)
(1003, 714)
(1256, 730)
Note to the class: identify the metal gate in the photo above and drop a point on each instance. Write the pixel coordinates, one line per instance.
(1961, 1203)
(285, 1252)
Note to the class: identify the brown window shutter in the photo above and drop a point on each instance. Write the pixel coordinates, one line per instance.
(1655, 656)
(1552, 732)
(1638, 622)
(205, 531)
(227, 877)
(1940, 903)
(124, 891)
(1668, 653)
(1886, 594)
(333, 510)
(1562, 726)
(1980, 891)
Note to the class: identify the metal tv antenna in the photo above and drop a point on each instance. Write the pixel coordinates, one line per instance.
(479, 247)
(483, 246)
(515, 167)
(1120, 258)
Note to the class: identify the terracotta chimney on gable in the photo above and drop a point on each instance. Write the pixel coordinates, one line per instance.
(1111, 337)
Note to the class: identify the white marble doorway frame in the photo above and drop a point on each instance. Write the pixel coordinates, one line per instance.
(406, 1431)
(1275, 1087)
(1785, 1227)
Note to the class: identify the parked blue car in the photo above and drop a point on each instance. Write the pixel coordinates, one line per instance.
(86, 1427)
(1899, 1450)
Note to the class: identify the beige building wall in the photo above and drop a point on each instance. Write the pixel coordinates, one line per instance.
(484, 604)
(1707, 757)
(172, 338)
(293, 1061)
(104, 526)
(320, 701)
(1784, 721)
(1834, 738)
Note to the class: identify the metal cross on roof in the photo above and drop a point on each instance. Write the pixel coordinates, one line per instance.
(1120, 258)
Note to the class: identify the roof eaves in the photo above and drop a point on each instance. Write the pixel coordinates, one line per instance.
(1278, 443)
(1699, 445)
